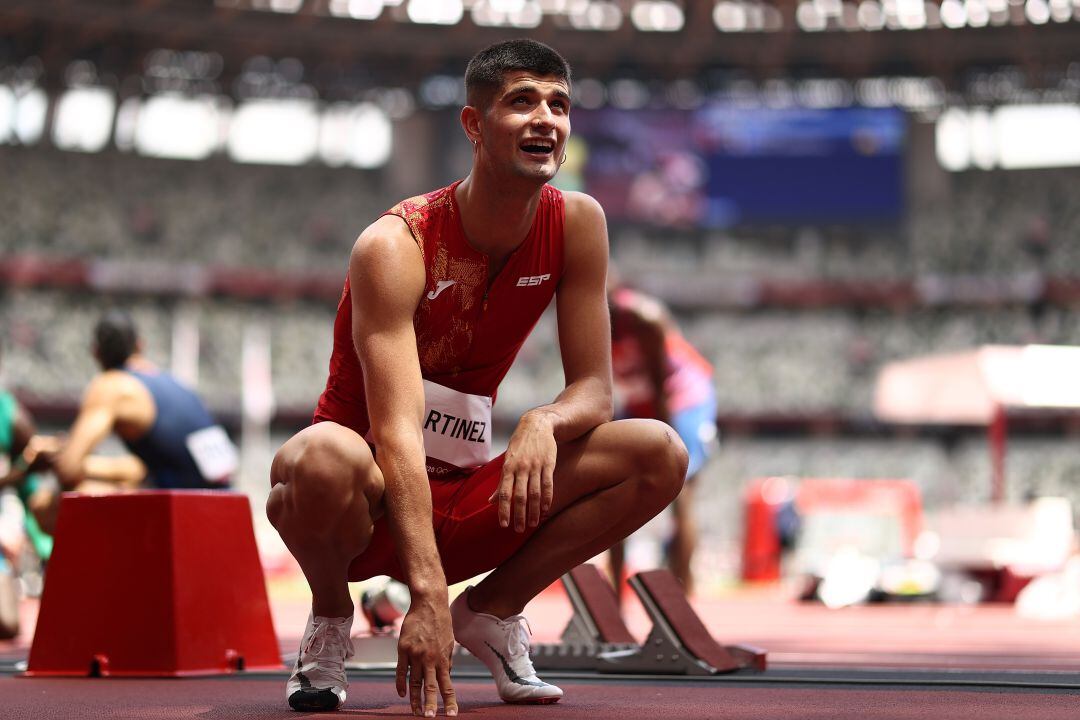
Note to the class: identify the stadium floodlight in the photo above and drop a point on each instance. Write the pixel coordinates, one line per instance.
(277, 132)
(662, 16)
(31, 106)
(828, 8)
(174, 126)
(978, 15)
(730, 16)
(286, 6)
(951, 140)
(1037, 136)
(1060, 10)
(595, 15)
(84, 118)
(984, 151)
(809, 17)
(1037, 11)
(512, 13)
(435, 12)
(871, 16)
(911, 14)
(360, 135)
(999, 12)
(953, 14)
(356, 9)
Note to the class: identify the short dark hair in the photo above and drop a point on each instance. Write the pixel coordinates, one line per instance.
(484, 74)
(114, 339)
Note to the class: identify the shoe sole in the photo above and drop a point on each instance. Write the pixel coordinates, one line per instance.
(534, 701)
(314, 701)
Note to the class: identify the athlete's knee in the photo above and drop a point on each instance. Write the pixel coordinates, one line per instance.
(320, 469)
(663, 458)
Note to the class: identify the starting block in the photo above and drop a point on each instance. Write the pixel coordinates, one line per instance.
(154, 584)
(597, 640)
(595, 628)
(679, 643)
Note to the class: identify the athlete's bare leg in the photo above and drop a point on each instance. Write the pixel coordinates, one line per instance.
(607, 484)
(684, 538)
(325, 497)
(680, 550)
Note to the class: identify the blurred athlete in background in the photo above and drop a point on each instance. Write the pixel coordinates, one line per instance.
(173, 442)
(659, 375)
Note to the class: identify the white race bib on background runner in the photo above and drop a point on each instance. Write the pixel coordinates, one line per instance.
(213, 453)
(457, 426)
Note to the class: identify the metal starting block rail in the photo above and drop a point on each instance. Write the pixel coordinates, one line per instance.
(597, 640)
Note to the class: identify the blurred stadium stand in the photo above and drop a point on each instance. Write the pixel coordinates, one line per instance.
(796, 316)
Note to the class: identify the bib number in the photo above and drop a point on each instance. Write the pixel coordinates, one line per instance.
(457, 426)
(213, 453)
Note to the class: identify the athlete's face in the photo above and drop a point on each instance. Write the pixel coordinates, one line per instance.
(526, 127)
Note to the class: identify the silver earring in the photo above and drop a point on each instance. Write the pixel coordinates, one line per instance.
(563, 160)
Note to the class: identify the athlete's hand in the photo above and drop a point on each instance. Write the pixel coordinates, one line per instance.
(41, 451)
(425, 647)
(527, 485)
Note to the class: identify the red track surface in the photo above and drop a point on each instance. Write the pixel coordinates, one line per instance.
(797, 635)
(26, 699)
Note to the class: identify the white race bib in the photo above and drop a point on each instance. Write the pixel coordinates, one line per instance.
(457, 426)
(213, 453)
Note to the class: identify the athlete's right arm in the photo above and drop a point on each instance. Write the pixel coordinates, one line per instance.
(387, 279)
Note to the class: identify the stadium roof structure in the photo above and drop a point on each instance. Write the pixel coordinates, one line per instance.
(970, 387)
(117, 35)
(980, 387)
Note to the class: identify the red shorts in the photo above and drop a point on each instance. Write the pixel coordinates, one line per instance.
(467, 530)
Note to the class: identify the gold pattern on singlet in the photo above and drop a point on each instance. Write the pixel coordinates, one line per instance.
(442, 345)
(414, 211)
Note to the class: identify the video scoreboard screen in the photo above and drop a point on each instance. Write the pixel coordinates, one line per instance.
(722, 166)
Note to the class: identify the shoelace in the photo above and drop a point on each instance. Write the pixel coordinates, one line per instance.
(330, 638)
(518, 634)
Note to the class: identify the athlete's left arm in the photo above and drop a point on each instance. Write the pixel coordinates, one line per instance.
(94, 422)
(585, 340)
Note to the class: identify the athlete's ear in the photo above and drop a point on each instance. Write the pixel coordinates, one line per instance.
(470, 122)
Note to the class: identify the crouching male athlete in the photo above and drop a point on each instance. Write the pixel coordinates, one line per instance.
(441, 292)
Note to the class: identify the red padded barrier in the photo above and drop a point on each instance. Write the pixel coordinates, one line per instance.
(154, 583)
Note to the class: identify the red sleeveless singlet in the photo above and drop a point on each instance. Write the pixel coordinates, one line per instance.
(467, 331)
